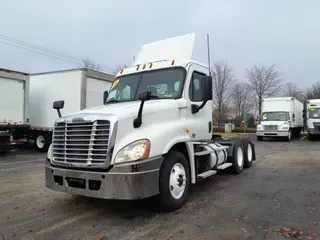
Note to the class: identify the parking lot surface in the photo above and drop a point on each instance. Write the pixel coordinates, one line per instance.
(278, 196)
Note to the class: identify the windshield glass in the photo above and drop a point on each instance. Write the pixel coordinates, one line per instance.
(163, 84)
(275, 116)
(314, 113)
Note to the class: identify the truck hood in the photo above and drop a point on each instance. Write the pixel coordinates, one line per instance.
(126, 110)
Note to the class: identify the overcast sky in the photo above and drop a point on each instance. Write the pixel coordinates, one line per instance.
(244, 32)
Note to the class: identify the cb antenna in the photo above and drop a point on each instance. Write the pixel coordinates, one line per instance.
(208, 49)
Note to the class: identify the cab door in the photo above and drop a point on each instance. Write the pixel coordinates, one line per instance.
(201, 122)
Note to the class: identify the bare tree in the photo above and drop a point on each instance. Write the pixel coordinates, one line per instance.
(264, 82)
(241, 98)
(291, 90)
(89, 64)
(314, 91)
(222, 81)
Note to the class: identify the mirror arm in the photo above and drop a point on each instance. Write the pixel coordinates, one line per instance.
(195, 108)
(138, 121)
(59, 113)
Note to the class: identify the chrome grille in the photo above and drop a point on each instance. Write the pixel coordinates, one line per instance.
(82, 143)
(271, 127)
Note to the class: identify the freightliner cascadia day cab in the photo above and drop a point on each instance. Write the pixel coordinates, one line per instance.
(153, 135)
(14, 113)
(313, 118)
(281, 117)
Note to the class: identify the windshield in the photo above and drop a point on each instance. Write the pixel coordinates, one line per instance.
(314, 113)
(163, 84)
(275, 116)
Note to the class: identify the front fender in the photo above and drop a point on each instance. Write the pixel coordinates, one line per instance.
(162, 136)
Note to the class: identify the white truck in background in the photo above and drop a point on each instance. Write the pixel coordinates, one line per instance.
(80, 88)
(152, 137)
(313, 118)
(281, 117)
(14, 116)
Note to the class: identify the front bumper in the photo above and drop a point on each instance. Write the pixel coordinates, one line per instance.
(272, 134)
(313, 131)
(134, 181)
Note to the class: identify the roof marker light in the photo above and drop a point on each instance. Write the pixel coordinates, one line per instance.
(121, 71)
(144, 66)
(172, 62)
(137, 67)
(150, 65)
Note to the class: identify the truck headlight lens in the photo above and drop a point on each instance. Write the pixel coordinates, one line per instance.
(285, 127)
(259, 127)
(137, 150)
(49, 153)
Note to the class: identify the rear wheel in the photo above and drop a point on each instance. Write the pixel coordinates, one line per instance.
(310, 137)
(174, 181)
(248, 154)
(42, 141)
(238, 158)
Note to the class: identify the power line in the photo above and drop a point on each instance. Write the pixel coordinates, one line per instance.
(39, 52)
(53, 54)
(38, 47)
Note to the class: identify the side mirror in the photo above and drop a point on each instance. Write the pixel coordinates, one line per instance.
(206, 94)
(206, 88)
(105, 96)
(144, 95)
(58, 105)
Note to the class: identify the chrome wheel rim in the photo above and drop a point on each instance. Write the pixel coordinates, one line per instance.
(178, 181)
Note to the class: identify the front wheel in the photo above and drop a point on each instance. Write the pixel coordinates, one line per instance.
(259, 138)
(42, 141)
(289, 135)
(174, 181)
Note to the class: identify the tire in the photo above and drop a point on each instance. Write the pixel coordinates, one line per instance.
(42, 141)
(248, 153)
(289, 136)
(237, 158)
(310, 137)
(173, 164)
(259, 138)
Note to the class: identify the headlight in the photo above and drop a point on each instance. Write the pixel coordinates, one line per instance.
(285, 127)
(137, 150)
(49, 153)
(259, 127)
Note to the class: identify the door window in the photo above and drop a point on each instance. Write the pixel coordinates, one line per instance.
(195, 87)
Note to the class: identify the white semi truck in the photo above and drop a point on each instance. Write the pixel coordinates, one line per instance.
(152, 136)
(281, 117)
(14, 114)
(80, 88)
(313, 118)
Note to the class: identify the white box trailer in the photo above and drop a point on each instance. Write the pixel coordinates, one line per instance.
(79, 88)
(313, 118)
(14, 119)
(281, 117)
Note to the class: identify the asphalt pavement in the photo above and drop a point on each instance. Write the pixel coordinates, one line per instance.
(278, 197)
